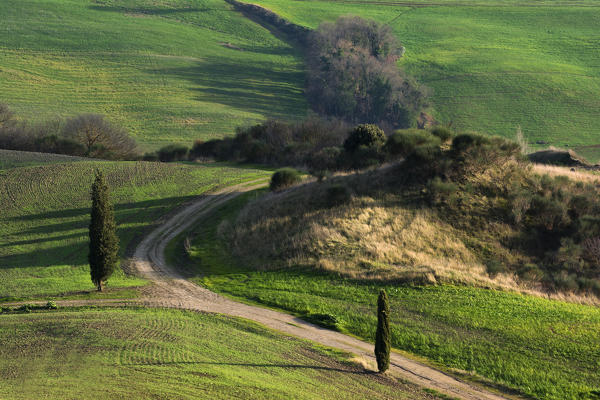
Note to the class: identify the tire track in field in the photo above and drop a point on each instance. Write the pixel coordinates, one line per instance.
(171, 289)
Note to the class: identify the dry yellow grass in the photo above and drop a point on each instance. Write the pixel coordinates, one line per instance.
(378, 237)
(576, 174)
(366, 239)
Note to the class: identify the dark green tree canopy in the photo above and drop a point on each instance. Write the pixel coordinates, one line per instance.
(104, 244)
(367, 135)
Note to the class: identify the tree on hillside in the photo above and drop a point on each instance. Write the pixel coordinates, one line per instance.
(100, 138)
(104, 244)
(382, 336)
(353, 75)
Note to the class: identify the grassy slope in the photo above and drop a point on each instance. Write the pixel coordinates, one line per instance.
(543, 348)
(157, 67)
(144, 354)
(493, 65)
(45, 213)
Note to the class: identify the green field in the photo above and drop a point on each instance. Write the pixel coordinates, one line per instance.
(168, 70)
(158, 354)
(542, 348)
(177, 70)
(492, 65)
(45, 214)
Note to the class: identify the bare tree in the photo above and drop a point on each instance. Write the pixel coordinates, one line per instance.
(99, 137)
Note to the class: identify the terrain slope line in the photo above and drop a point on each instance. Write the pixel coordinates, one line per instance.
(171, 289)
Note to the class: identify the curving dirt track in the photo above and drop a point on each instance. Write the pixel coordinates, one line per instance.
(170, 289)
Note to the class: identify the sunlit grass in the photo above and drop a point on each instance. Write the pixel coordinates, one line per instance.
(161, 69)
(45, 215)
(542, 348)
(157, 354)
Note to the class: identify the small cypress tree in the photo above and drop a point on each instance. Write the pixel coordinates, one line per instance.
(383, 337)
(104, 244)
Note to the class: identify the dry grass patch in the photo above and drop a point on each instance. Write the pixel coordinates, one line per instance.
(576, 174)
(367, 238)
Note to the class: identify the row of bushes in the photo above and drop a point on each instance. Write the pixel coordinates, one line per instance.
(317, 145)
(88, 135)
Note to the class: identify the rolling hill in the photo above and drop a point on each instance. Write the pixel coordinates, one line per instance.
(45, 214)
(169, 70)
(492, 66)
(150, 353)
(326, 264)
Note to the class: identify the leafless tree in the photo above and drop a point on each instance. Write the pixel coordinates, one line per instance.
(99, 137)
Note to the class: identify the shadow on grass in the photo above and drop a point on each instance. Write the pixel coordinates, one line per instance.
(290, 366)
(148, 10)
(261, 88)
(75, 253)
(121, 207)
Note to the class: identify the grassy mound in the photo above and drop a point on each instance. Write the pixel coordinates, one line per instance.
(169, 70)
(141, 354)
(45, 214)
(470, 211)
(492, 65)
(539, 347)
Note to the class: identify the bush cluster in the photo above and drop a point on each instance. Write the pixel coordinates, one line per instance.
(314, 141)
(477, 181)
(320, 146)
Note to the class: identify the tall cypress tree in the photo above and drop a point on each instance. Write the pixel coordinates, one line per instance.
(382, 336)
(104, 244)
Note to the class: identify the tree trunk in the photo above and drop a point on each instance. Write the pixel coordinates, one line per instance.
(100, 288)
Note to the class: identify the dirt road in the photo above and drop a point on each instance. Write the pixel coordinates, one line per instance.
(170, 289)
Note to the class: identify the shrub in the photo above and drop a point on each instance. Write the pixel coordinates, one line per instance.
(325, 320)
(337, 195)
(426, 161)
(51, 305)
(366, 135)
(444, 134)
(25, 308)
(284, 178)
(326, 159)
(565, 282)
(530, 272)
(59, 145)
(494, 267)
(150, 156)
(363, 147)
(440, 191)
(172, 152)
(404, 142)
